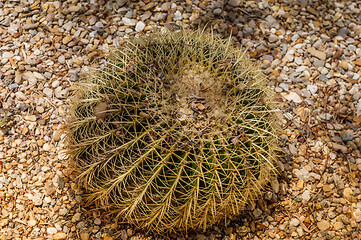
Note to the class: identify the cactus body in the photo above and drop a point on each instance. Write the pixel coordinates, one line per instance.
(176, 133)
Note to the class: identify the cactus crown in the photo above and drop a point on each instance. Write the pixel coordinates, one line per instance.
(176, 133)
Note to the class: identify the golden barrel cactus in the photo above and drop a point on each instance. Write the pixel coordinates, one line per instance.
(176, 133)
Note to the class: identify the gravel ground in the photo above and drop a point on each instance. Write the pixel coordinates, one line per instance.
(309, 51)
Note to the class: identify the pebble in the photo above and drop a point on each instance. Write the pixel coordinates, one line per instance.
(357, 215)
(76, 217)
(84, 236)
(4, 222)
(61, 59)
(319, 63)
(13, 86)
(59, 235)
(257, 213)
(338, 225)
(298, 60)
(31, 118)
(344, 65)
(312, 88)
(294, 222)
(74, 9)
(284, 86)
(306, 196)
(129, 22)
(177, 16)
(347, 136)
(48, 92)
(292, 96)
(323, 225)
(318, 54)
(51, 230)
(32, 223)
(217, 11)
(97, 221)
(140, 26)
(234, 3)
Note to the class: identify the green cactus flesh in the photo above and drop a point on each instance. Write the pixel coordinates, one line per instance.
(176, 133)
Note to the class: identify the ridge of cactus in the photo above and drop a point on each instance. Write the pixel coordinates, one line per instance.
(177, 132)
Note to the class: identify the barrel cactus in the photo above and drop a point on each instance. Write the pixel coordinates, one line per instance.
(177, 132)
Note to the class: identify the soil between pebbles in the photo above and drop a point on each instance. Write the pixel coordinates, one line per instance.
(310, 51)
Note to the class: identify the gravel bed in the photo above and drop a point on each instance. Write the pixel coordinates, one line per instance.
(310, 51)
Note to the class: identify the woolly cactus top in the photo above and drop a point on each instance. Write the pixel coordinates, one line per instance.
(176, 133)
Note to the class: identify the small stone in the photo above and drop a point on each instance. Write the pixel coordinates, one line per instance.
(76, 217)
(55, 84)
(312, 88)
(306, 196)
(357, 215)
(318, 54)
(51, 230)
(325, 116)
(347, 136)
(299, 185)
(202, 236)
(347, 193)
(149, 6)
(129, 22)
(40, 109)
(140, 26)
(292, 96)
(234, 3)
(340, 147)
(327, 188)
(31, 118)
(29, 76)
(63, 211)
(284, 86)
(49, 188)
(61, 59)
(67, 39)
(59, 235)
(47, 75)
(84, 236)
(298, 60)
(343, 31)
(19, 9)
(57, 135)
(177, 16)
(338, 225)
(217, 11)
(160, 16)
(165, 6)
(323, 225)
(324, 77)
(29, 26)
(37, 201)
(97, 221)
(275, 185)
(32, 223)
(294, 222)
(257, 213)
(48, 92)
(4, 222)
(272, 38)
(13, 86)
(344, 65)
(319, 63)
(300, 69)
(74, 9)
(47, 147)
